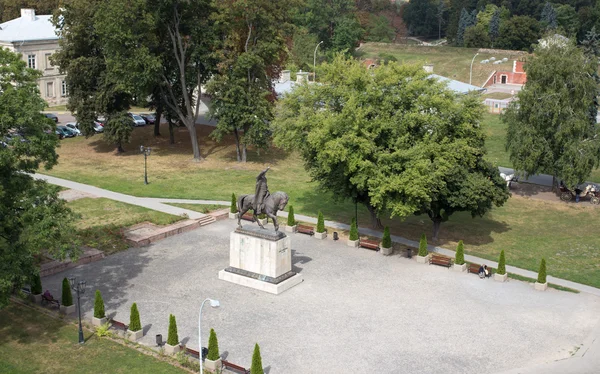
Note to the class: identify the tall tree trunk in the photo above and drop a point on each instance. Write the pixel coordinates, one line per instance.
(375, 221)
(554, 183)
(244, 153)
(171, 133)
(157, 123)
(237, 145)
(437, 222)
(194, 139)
(120, 148)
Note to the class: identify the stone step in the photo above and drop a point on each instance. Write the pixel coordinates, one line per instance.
(143, 234)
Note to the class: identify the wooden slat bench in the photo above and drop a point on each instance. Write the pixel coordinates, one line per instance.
(303, 229)
(474, 268)
(369, 244)
(440, 260)
(234, 367)
(119, 325)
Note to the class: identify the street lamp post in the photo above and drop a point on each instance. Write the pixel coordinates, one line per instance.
(146, 151)
(315, 62)
(79, 288)
(214, 304)
(471, 69)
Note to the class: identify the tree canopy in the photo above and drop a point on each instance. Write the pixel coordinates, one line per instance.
(392, 139)
(34, 219)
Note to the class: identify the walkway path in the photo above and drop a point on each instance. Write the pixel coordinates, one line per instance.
(160, 204)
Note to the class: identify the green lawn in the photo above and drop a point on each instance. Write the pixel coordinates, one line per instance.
(102, 220)
(202, 208)
(33, 342)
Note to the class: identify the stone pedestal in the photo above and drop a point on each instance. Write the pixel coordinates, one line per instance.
(260, 259)
(68, 309)
(36, 299)
(320, 235)
(353, 243)
(98, 321)
(387, 251)
(541, 286)
(423, 259)
(212, 366)
(460, 268)
(135, 335)
(172, 349)
(291, 228)
(500, 277)
(233, 215)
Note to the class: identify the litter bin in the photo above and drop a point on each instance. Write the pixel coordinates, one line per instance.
(409, 252)
(159, 340)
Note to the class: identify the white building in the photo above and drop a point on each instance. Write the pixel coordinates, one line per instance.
(34, 37)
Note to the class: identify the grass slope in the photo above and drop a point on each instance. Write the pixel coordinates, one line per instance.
(33, 342)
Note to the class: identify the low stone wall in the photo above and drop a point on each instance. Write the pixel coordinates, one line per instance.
(53, 267)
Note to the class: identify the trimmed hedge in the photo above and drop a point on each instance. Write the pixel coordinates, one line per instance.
(233, 208)
(172, 339)
(501, 264)
(213, 346)
(386, 241)
(353, 230)
(134, 319)
(67, 296)
(542, 272)
(256, 367)
(99, 305)
(423, 246)
(320, 223)
(291, 219)
(36, 284)
(459, 259)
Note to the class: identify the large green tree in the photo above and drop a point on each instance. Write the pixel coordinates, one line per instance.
(392, 139)
(519, 33)
(33, 218)
(549, 128)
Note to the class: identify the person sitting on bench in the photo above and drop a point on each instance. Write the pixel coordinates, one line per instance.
(483, 271)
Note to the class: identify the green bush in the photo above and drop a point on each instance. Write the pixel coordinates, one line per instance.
(291, 219)
(320, 223)
(256, 367)
(233, 204)
(262, 216)
(423, 246)
(172, 339)
(36, 284)
(501, 264)
(459, 259)
(542, 272)
(353, 230)
(67, 296)
(213, 346)
(99, 306)
(134, 319)
(386, 241)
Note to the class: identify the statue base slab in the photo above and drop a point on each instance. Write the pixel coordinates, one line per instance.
(261, 285)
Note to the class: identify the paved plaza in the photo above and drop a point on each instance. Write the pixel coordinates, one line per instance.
(356, 311)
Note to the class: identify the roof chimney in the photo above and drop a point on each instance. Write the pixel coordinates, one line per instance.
(301, 77)
(28, 14)
(428, 68)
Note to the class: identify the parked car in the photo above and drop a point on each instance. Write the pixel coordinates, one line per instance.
(150, 118)
(66, 132)
(98, 126)
(74, 127)
(138, 120)
(52, 116)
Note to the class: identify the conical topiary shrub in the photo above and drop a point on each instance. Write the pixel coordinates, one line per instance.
(67, 296)
(99, 306)
(353, 230)
(542, 272)
(501, 264)
(459, 259)
(423, 246)
(257, 367)
(234, 208)
(172, 338)
(134, 319)
(320, 223)
(386, 241)
(213, 346)
(36, 285)
(291, 220)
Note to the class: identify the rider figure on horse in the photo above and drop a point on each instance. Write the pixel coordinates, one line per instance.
(262, 192)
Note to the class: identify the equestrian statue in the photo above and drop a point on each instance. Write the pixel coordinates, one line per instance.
(262, 202)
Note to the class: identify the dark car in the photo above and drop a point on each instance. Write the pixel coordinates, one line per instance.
(65, 132)
(149, 118)
(52, 116)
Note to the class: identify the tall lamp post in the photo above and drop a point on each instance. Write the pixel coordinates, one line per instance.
(214, 304)
(315, 62)
(146, 151)
(471, 69)
(79, 288)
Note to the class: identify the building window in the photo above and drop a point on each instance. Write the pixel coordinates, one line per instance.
(64, 91)
(48, 62)
(31, 61)
(49, 89)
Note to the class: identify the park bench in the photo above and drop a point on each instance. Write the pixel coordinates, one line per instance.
(303, 229)
(234, 367)
(369, 244)
(440, 260)
(119, 325)
(49, 299)
(474, 268)
(194, 353)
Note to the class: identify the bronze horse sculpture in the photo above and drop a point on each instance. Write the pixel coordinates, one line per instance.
(272, 203)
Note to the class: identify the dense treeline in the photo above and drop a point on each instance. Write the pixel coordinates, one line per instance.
(508, 24)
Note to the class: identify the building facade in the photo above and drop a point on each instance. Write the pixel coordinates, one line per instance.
(34, 37)
(516, 77)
